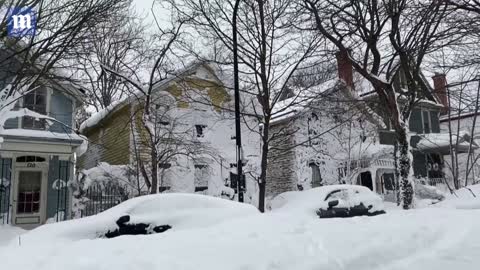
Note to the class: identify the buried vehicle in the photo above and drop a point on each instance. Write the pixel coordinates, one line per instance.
(147, 214)
(332, 201)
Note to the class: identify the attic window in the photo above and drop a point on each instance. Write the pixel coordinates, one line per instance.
(35, 101)
(200, 130)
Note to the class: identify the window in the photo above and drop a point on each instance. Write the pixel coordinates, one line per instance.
(200, 130)
(201, 176)
(164, 165)
(316, 176)
(426, 121)
(35, 101)
(388, 181)
(29, 188)
(30, 159)
(434, 166)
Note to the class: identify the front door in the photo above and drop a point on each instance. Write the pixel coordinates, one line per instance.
(29, 198)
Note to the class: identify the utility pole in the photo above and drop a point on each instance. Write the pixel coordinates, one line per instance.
(236, 87)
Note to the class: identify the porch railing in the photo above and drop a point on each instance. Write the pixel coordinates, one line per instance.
(432, 181)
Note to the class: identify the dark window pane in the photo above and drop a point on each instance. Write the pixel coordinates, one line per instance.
(20, 207)
(426, 122)
(35, 207)
(29, 99)
(28, 208)
(36, 197)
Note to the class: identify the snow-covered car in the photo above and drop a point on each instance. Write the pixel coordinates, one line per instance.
(145, 215)
(332, 201)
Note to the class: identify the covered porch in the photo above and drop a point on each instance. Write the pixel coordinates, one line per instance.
(34, 175)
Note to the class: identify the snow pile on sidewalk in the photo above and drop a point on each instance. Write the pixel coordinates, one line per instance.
(181, 211)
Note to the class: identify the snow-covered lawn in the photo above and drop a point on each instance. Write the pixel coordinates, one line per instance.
(428, 238)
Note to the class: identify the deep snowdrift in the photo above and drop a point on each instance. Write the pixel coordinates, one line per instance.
(180, 211)
(429, 238)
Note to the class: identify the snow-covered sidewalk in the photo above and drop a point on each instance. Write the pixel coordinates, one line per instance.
(8, 233)
(430, 238)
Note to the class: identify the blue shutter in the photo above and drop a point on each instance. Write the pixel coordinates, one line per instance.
(57, 191)
(61, 108)
(5, 188)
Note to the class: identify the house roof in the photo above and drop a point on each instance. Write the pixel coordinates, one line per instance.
(42, 136)
(440, 143)
(290, 107)
(98, 117)
(446, 118)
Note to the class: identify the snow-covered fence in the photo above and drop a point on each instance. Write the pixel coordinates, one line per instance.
(102, 197)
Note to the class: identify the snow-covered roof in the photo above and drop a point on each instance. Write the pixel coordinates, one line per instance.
(371, 151)
(290, 107)
(440, 142)
(44, 135)
(97, 117)
(455, 116)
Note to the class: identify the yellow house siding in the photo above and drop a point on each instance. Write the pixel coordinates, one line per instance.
(109, 141)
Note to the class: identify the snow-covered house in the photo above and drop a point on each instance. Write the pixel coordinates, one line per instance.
(464, 131)
(340, 136)
(193, 113)
(36, 154)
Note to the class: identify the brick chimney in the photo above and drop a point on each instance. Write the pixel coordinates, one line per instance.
(440, 88)
(345, 70)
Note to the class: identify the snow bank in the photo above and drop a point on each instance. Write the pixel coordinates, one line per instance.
(181, 211)
(464, 198)
(440, 239)
(7, 233)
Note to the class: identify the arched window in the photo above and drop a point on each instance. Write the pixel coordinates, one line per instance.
(30, 159)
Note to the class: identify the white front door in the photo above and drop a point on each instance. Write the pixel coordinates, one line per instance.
(29, 198)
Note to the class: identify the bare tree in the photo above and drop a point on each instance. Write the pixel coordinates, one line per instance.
(117, 43)
(39, 57)
(270, 51)
(379, 38)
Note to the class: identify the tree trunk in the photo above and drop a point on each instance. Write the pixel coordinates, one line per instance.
(405, 166)
(263, 167)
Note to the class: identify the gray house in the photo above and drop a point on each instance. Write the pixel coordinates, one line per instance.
(37, 155)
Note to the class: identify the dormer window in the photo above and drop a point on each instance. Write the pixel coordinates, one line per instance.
(36, 101)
